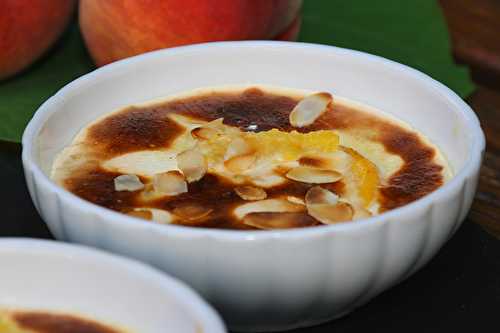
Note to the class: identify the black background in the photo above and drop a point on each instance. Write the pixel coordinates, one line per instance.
(458, 291)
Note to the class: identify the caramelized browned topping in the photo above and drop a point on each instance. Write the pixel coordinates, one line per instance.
(142, 214)
(419, 175)
(41, 322)
(252, 107)
(272, 220)
(134, 129)
(98, 186)
(210, 199)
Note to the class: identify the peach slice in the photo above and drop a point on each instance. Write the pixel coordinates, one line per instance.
(366, 177)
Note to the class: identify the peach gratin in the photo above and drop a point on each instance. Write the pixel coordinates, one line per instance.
(253, 157)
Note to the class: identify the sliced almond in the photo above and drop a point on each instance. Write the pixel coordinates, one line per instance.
(361, 213)
(267, 180)
(237, 147)
(248, 192)
(318, 195)
(284, 167)
(204, 133)
(268, 205)
(170, 183)
(141, 214)
(330, 214)
(144, 162)
(309, 109)
(193, 164)
(278, 220)
(337, 160)
(240, 163)
(157, 215)
(192, 212)
(296, 200)
(129, 183)
(209, 131)
(313, 175)
(218, 124)
(325, 206)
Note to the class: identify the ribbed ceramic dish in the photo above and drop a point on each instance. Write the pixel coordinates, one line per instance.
(267, 280)
(54, 277)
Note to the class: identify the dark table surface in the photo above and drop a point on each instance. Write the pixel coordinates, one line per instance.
(459, 290)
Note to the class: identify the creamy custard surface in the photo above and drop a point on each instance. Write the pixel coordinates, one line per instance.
(252, 157)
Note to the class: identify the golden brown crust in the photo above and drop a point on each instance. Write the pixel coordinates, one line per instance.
(133, 129)
(138, 128)
(41, 322)
(418, 176)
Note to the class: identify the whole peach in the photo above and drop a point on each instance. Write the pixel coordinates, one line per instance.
(122, 28)
(27, 29)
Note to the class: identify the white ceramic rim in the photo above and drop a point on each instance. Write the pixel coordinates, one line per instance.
(45, 111)
(183, 295)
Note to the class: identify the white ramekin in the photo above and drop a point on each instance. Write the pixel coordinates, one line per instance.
(62, 278)
(266, 280)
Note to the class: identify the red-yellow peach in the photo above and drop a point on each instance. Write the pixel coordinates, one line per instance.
(27, 29)
(122, 28)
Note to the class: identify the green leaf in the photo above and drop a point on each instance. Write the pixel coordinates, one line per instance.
(23, 94)
(412, 32)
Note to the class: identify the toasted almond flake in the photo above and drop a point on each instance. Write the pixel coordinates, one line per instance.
(170, 183)
(296, 200)
(267, 180)
(361, 213)
(217, 124)
(309, 109)
(141, 214)
(313, 175)
(238, 147)
(209, 130)
(318, 195)
(248, 192)
(268, 205)
(340, 160)
(284, 167)
(192, 212)
(263, 174)
(144, 163)
(337, 160)
(278, 220)
(157, 215)
(204, 133)
(240, 163)
(128, 183)
(326, 207)
(331, 213)
(193, 164)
